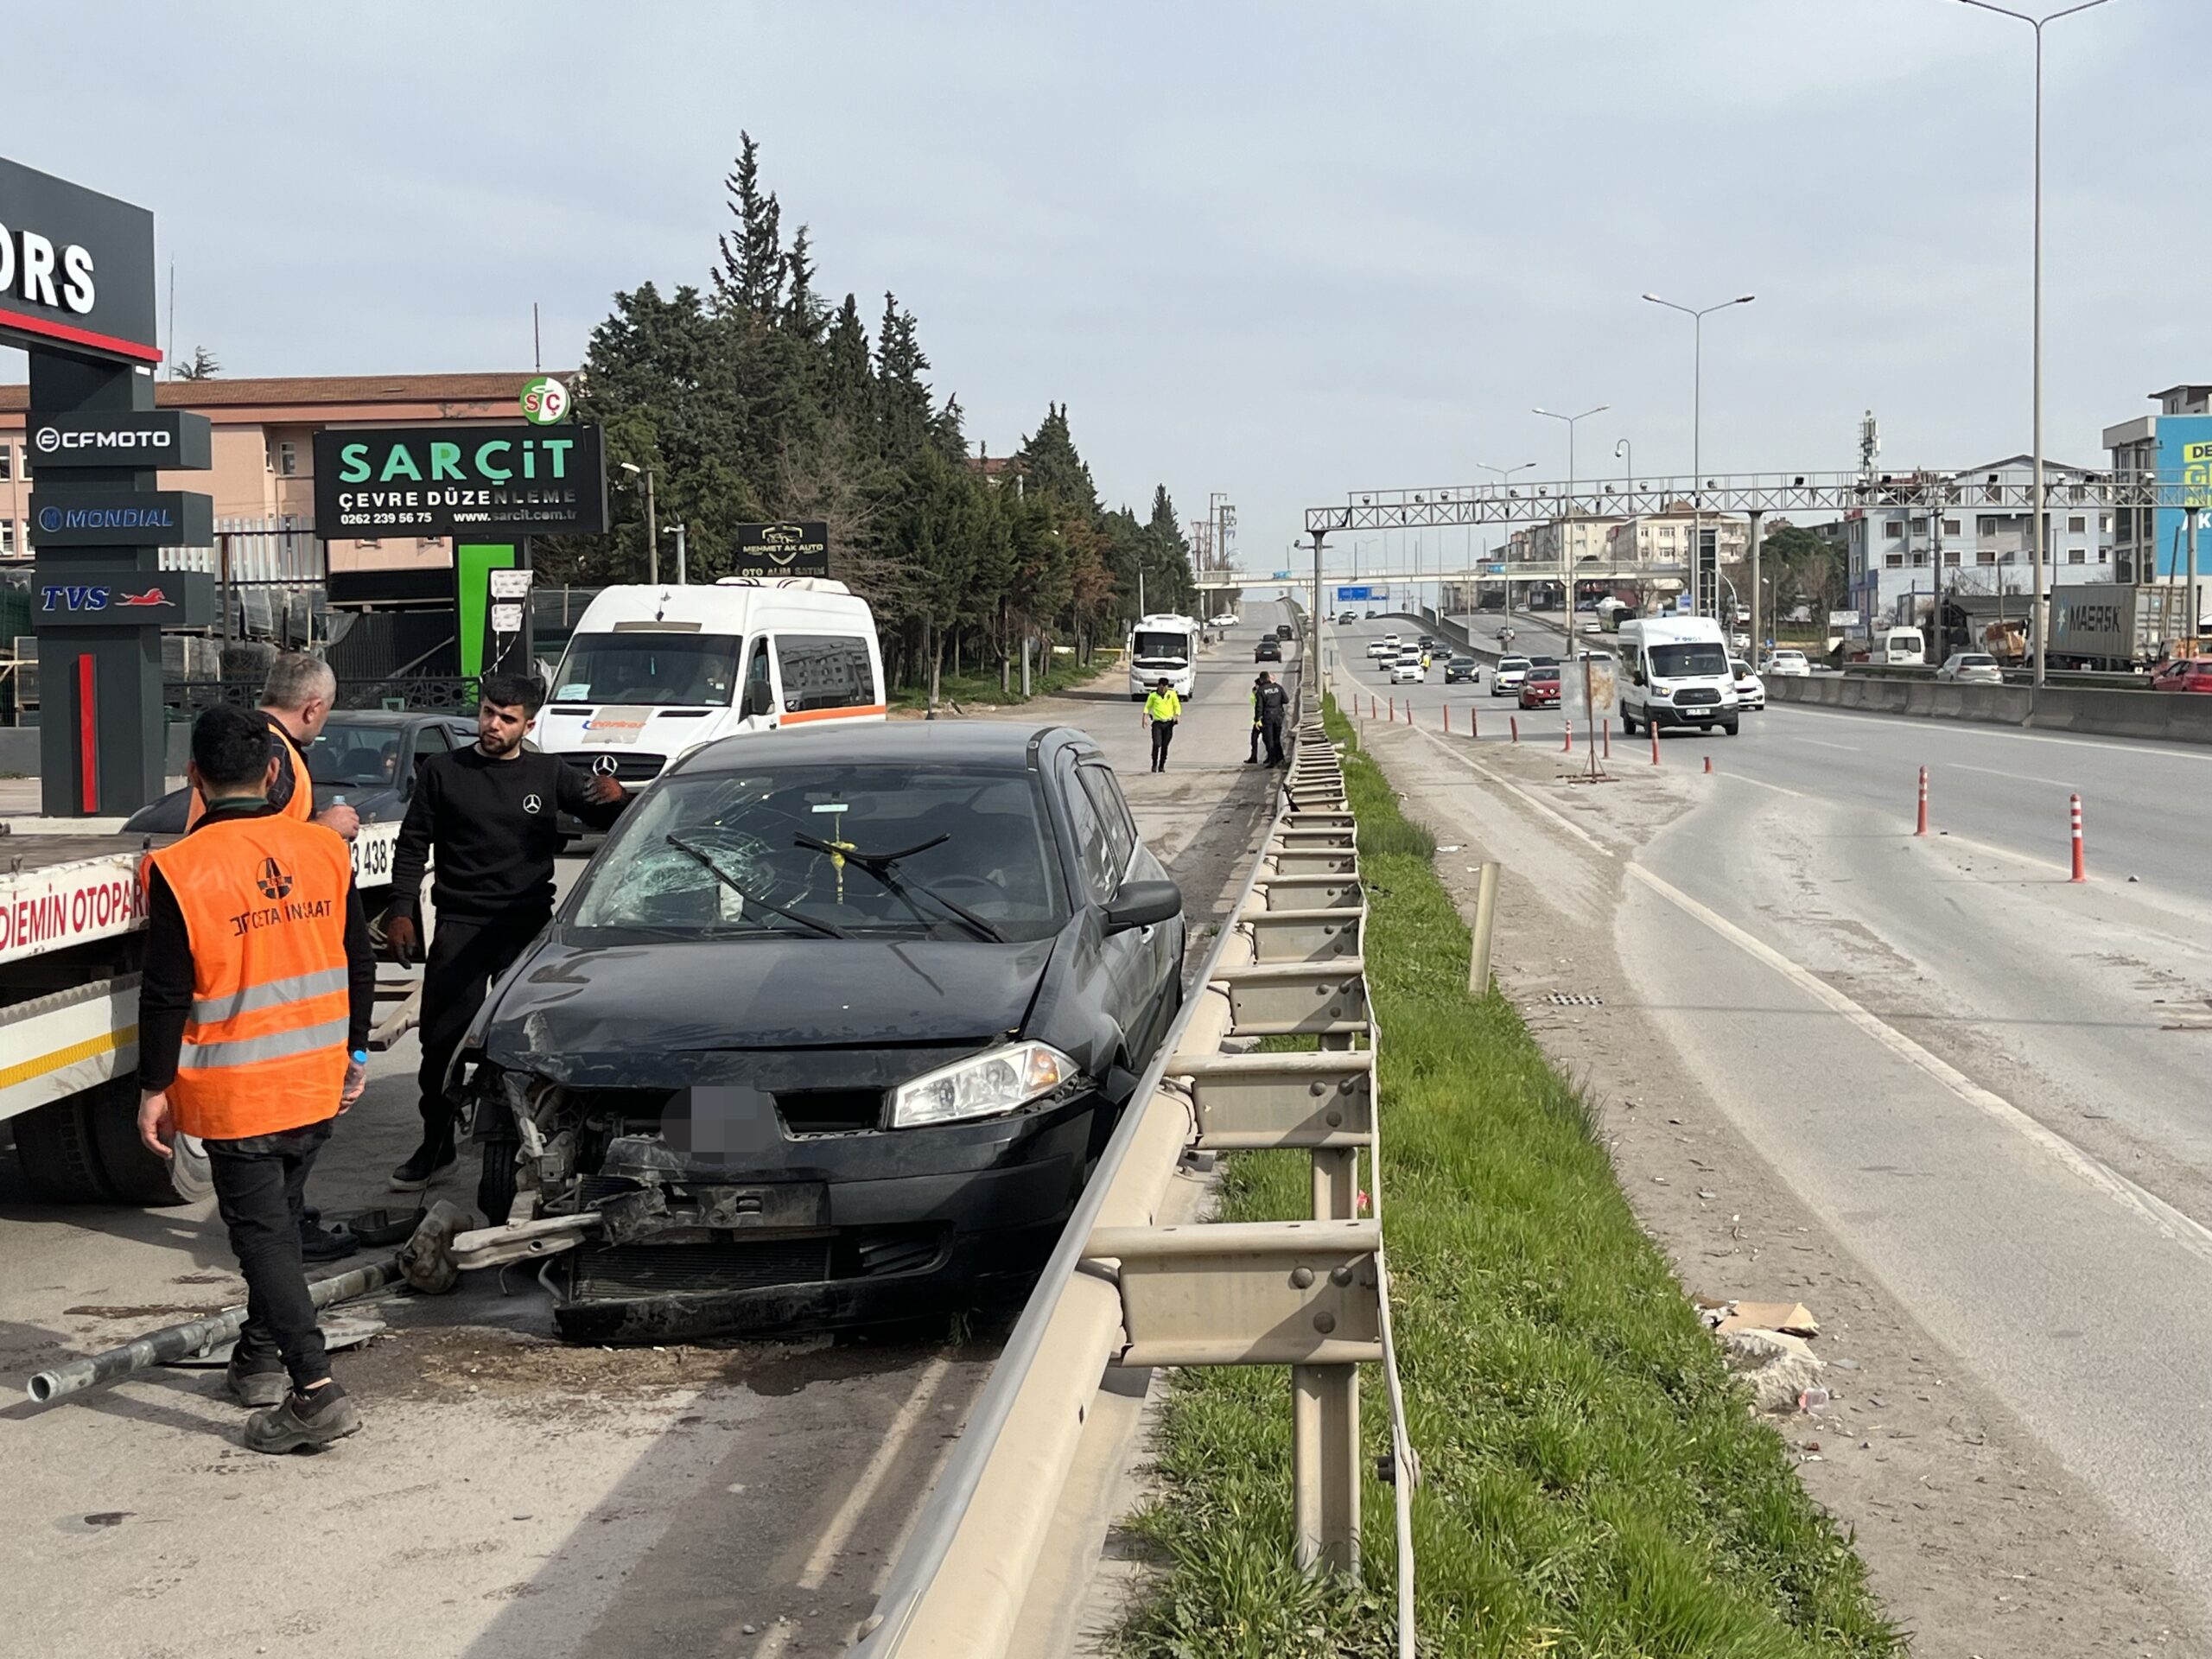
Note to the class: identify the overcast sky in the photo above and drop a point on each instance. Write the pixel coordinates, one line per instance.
(1282, 251)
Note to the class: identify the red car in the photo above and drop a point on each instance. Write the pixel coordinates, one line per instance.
(2184, 674)
(1540, 689)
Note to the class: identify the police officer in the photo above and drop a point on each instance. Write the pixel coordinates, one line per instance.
(1252, 755)
(254, 1006)
(492, 811)
(295, 702)
(1161, 710)
(1271, 707)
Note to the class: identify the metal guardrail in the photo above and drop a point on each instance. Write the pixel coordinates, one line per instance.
(1121, 1290)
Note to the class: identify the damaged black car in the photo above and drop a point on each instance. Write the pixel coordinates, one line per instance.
(830, 1031)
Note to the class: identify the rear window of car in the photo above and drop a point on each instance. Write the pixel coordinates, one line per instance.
(1543, 673)
(1513, 662)
(981, 838)
(1977, 662)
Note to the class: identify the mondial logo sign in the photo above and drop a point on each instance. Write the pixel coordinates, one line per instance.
(544, 401)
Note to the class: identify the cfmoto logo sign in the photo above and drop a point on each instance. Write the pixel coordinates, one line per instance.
(52, 440)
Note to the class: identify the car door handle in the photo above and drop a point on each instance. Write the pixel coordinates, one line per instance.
(1145, 933)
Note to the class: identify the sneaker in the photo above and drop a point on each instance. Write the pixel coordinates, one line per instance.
(423, 1165)
(251, 1387)
(321, 1243)
(315, 1420)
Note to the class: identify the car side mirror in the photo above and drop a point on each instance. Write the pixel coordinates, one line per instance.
(1143, 904)
(759, 700)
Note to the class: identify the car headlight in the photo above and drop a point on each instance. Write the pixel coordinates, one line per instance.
(982, 1086)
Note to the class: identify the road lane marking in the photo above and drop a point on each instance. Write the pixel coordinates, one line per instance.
(839, 1532)
(2000, 772)
(1849, 748)
(2170, 1223)
(2176, 751)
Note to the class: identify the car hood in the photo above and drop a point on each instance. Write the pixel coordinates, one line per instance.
(648, 1012)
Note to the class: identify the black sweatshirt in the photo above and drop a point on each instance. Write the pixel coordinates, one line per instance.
(165, 983)
(495, 824)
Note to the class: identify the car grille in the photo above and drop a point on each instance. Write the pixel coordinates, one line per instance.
(877, 1252)
(630, 766)
(1691, 696)
(602, 1271)
(830, 1111)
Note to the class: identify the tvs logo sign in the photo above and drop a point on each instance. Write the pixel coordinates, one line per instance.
(273, 879)
(85, 597)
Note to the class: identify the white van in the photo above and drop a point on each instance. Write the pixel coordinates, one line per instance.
(1899, 645)
(1164, 647)
(651, 673)
(1675, 672)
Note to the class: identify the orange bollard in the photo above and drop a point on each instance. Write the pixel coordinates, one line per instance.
(1921, 827)
(1655, 745)
(1394, 711)
(1708, 765)
(1514, 720)
(1606, 734)
(2080, 867)
(1566, 738)
(1474, 722)
(1447, 720)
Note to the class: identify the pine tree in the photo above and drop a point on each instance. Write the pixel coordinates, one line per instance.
(802, 314)
(751, 275)
(847, 382)
(1051, 465)
(903, 403)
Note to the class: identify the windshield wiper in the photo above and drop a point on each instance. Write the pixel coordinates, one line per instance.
(813, 923)
(879, 865)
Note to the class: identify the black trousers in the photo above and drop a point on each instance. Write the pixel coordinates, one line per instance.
(465, 956)
(261, 1186)
(1163, 734)
(1253, 757)
(1271, 730)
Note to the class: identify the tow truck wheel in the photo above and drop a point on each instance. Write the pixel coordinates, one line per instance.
(134, 1174)
(55, 1144)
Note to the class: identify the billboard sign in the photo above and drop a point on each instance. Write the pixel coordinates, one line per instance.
(155, 437)
(76, 270)
(80, 516)
(784, 549)
(1359, 592)
(417, 481)
(1843, 618)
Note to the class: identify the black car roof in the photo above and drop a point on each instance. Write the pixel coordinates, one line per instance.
(400, 716)
(998, 743)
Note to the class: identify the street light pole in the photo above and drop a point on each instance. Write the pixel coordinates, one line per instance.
(652, 529)
(2042, 507)
(1566, 558)
(1505, 476)
(1697, 441)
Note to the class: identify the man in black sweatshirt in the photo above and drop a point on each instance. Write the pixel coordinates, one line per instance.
(492, 811)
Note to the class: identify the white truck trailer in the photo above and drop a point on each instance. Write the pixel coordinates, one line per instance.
(72, 924)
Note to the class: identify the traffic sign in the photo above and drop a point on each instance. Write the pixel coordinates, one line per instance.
(1348, 594)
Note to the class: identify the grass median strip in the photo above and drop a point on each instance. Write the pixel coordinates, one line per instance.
(1593, 1484)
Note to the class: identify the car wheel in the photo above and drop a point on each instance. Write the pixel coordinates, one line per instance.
(54, 1142)
(1627, 724)
(497, 1180)
(1729, 726)
(134, 1174)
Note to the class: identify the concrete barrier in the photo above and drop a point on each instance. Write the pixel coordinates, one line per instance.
(2155, 716)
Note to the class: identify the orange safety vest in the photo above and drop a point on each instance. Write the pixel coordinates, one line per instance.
(264, 902)
(300, 807)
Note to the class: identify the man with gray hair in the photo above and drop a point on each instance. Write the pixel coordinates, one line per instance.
(295, 701)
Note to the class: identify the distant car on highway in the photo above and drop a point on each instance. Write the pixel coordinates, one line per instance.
(1346, 620)
(1284, 630)
(1408, 670)
(2184, 674)
(1393, 641)
(1378, 650)
(1751, 690)
(957, 956)
(1462, 670)
(1427, 643)
(1540, 688)
(1269, 650)
(1789, 663)
(1978, 667)
(1538, 660)
(1226, 619)
(1508, 675)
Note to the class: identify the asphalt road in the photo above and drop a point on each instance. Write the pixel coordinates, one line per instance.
(510, 1494)
(1988, 1080)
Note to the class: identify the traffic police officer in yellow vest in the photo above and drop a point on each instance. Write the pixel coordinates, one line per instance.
(253, 1015)
(1162, 709)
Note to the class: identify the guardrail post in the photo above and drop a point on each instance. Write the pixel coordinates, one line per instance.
(1325, 1466)
(1336, 1183)
(1485, 920)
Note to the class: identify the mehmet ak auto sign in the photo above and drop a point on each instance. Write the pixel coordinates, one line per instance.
(76, 269)
(459, 480)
